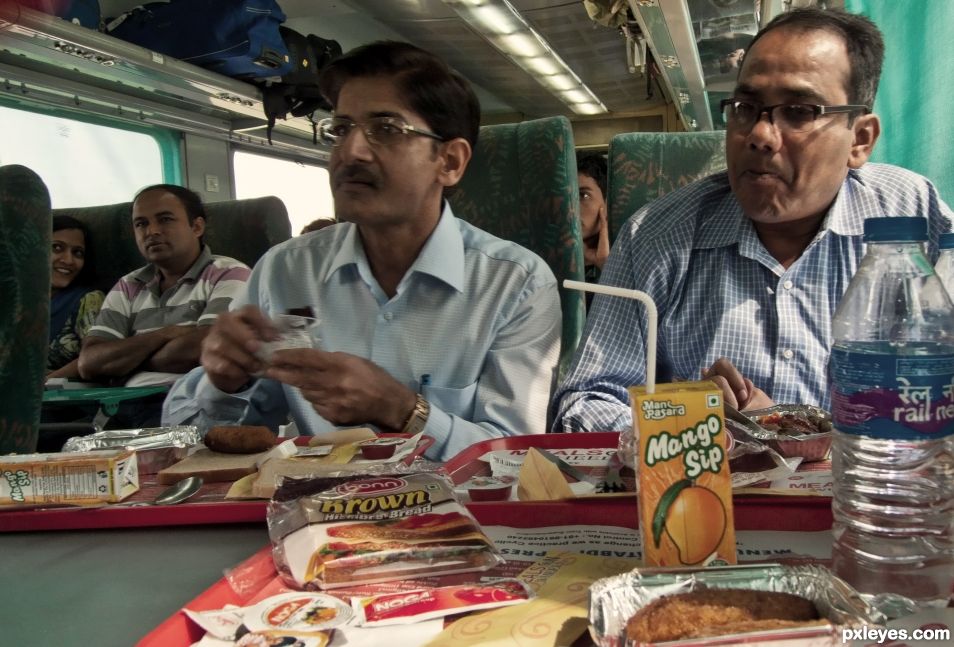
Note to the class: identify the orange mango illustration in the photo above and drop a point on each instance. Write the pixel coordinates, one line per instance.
(693, 519)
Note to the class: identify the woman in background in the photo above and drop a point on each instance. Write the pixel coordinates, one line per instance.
(74, 304)
(591, 174)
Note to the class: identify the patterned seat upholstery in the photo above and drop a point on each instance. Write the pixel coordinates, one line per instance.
(521, 185)
(645, 166)
(242, 229)
(25, 223)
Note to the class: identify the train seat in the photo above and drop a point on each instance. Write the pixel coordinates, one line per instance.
(521, 185)
(25, 294)
(646, 166)
(242, 229)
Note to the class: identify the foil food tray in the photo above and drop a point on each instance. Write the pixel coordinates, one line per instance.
(813, 446)
(156, 447)
(614, 600)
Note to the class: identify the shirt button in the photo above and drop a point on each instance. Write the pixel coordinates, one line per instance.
(788, 354)
(388, 316)
(788, 285)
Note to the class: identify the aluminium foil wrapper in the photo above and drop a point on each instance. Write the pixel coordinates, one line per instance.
(813, 445)
(156, 447)
(614, 600)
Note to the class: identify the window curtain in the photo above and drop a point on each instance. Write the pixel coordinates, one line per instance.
(916, 97)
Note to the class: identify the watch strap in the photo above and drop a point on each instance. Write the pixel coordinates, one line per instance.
(418, 418)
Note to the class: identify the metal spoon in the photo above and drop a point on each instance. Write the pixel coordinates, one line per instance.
(179, 492)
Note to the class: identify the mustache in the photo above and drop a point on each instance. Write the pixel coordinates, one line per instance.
(356, 173)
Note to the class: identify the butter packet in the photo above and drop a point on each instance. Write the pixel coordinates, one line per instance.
(406, 607)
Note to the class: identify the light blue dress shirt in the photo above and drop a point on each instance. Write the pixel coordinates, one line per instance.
(721, 294)
(474, 327)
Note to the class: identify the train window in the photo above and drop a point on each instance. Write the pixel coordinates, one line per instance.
(82, 164)
(302, 187)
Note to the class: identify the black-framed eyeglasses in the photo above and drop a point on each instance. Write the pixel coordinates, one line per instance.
(787, 117)
(382, 131)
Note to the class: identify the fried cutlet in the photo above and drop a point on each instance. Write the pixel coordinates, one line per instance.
(712, 612)
(240, 439)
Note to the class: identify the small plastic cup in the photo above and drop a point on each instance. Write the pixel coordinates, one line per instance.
(490, 488)
(294, 331)
(380, 448)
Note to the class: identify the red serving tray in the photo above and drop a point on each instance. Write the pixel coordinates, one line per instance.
(752, 512)
(215, 510)
(467, 463)
(790, 515)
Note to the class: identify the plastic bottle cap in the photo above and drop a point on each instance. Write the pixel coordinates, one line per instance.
(946, 241)
(898, 229)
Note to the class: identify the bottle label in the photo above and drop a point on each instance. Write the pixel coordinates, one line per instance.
(901, 397)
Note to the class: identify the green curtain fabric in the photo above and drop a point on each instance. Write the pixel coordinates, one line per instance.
(521, 185)
(916, 94)
(242, 229)
(25, 295)
(646, 166)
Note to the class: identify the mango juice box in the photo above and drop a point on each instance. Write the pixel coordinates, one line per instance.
(79, 478)
(685, 490)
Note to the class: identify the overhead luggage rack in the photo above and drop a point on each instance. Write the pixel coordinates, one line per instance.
(49, 60)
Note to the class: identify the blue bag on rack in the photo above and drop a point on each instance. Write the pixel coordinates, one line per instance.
(237, 38)
(297, 92)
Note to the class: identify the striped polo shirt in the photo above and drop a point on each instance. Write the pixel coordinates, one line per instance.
(135, 305)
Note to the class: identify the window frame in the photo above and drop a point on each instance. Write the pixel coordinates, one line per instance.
(169, 141)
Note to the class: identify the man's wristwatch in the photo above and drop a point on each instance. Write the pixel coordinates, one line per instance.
(418, 418)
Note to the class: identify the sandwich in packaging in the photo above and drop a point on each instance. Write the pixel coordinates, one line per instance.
(375, 530)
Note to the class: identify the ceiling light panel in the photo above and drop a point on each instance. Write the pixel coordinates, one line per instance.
(501, 25)
(543, 65)
(559, 82)
(493, 20)
(523, 45)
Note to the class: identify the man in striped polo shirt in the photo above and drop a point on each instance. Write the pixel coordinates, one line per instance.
(153, 321)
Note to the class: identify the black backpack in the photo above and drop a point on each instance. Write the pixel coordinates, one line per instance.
(297, 92)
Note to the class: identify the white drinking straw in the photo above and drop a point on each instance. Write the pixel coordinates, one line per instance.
(651, 314)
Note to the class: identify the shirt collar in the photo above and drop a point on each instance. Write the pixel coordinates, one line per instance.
(441, 257)
(846, 216)
(443, 254)
(150, 272)
(723, 226)
(853, 205)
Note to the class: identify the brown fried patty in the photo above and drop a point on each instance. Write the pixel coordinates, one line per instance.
(240, 439)
(713, 612)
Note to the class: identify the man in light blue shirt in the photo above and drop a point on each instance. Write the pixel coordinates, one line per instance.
(426, 323)
(747, 266)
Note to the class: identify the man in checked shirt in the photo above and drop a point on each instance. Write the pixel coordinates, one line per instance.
(747, 266)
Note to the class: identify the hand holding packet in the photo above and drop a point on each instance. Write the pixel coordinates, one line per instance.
(294, 331)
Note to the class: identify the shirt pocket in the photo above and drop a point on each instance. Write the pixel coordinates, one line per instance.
(459, 402)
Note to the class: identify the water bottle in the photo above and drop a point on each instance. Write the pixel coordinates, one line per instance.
(945, 262)
(892, 381)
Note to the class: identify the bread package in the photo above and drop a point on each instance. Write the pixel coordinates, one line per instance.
(376, 530)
